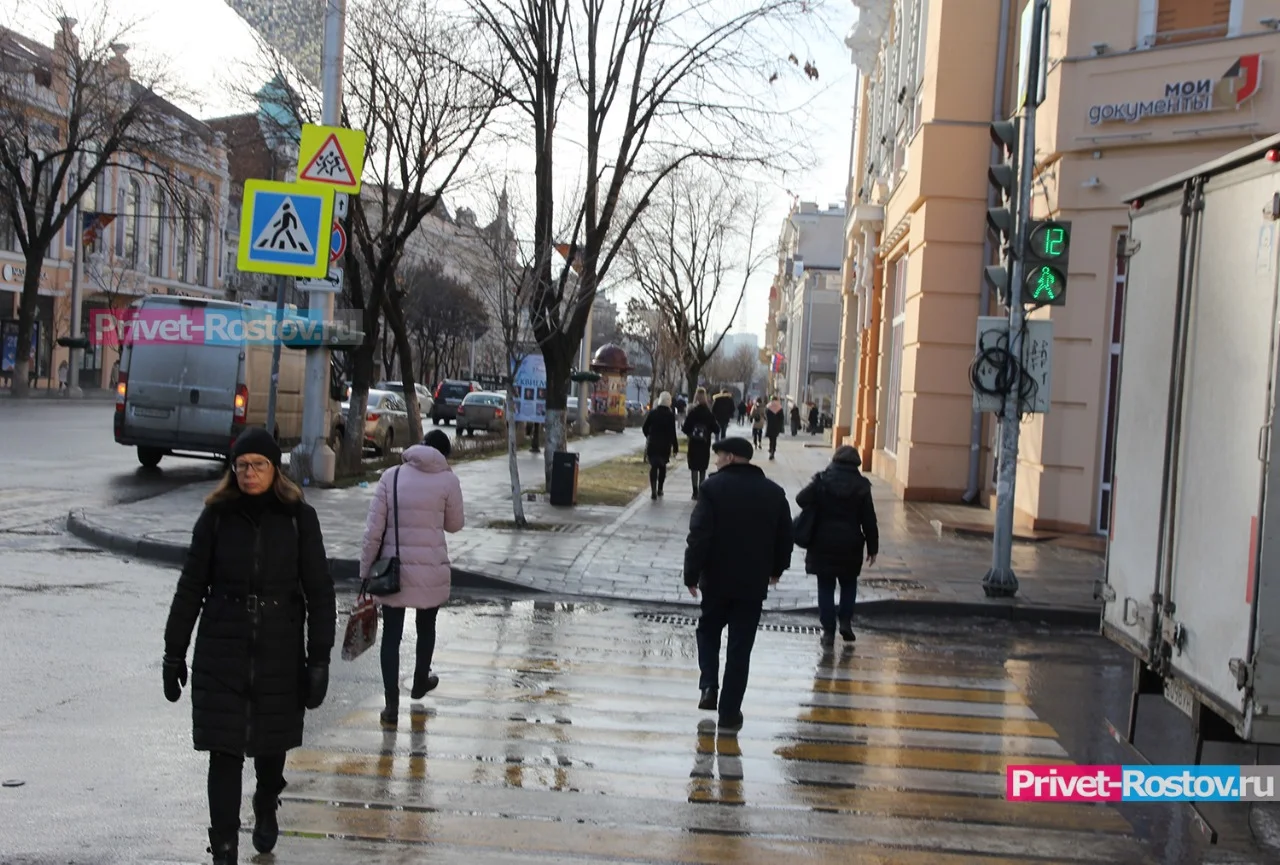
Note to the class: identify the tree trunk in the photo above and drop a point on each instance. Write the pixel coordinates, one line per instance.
(396, 323)
(559, 369)
(517, 501)
(693, 372)
(22, 371)
(352, 448)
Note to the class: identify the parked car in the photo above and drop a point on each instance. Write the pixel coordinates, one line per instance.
(448, 396)
(482, 411)
(386, 422)
(425, 399)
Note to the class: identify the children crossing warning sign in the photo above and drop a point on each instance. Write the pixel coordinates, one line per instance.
(285, 229)
(332, 156)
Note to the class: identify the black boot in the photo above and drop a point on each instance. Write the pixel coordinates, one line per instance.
(390, 714)
(266, 828)
(694, 478)
(846, 630)
(422, 684)
(223, 848)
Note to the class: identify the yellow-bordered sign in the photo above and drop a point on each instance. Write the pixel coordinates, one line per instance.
(285, 229)
(332, 156)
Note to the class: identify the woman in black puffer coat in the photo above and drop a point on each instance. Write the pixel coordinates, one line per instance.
(257, 578)
(846, 522)
(699, 427)
(662, 442)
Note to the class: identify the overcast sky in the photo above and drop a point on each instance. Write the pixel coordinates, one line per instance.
(208, 47)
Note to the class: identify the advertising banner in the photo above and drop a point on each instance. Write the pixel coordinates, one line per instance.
(531, 390)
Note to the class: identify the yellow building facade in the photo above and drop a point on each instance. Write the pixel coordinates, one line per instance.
(1135, 90)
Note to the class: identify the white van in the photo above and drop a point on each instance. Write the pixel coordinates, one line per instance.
(183, 391)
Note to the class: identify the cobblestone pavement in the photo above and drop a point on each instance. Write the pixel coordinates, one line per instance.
(635, 553)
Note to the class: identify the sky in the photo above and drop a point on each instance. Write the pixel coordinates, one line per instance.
(209, 50)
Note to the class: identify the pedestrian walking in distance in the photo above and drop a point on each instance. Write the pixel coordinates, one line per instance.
(429, 499)
(739, 545)
(722, 406)
(795, 420)
(699, 428)
(257, 578)
(844, 524)
(661, 443)
(774, 424)
(813, 420)
(757, 425)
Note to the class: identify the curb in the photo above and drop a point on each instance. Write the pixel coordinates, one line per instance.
(346, 572)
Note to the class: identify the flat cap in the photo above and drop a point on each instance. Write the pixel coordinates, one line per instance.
(736, 446)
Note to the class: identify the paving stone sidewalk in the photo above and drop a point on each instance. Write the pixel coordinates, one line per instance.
(635, 553)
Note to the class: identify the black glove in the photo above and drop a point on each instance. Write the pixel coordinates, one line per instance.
(175, 677)
(317, 684)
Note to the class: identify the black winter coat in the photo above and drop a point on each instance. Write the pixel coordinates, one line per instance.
(660, 432)
(739, 534)
(723, 408)
(248, 672)
(846, 521)
(699, 449)
(775, 423)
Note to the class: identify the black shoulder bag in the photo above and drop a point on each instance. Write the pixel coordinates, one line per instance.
(803, 527)
(384, 574)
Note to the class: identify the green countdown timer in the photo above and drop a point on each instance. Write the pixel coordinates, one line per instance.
(1049, 240)
(1044, 284)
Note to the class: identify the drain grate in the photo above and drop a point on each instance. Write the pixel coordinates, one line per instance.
(688, 622)
(890, 583)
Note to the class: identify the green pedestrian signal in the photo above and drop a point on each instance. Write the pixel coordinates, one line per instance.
(1048, 248)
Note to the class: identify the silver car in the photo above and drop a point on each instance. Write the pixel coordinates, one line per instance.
(386, 422)
(486, 412)
(425, 401)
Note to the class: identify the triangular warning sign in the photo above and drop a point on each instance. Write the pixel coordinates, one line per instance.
(284, 232)
(329, 165)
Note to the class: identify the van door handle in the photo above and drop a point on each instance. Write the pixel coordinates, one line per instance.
(195, 396)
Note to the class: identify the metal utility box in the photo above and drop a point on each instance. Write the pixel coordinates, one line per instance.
(1192, 583)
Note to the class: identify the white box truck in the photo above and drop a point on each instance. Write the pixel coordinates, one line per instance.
(193, 376)
(1192, 585)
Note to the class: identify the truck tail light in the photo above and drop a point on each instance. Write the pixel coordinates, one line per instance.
(372, 417)
(497, 413)
(122, 390)
(460, 410)
(242, 403)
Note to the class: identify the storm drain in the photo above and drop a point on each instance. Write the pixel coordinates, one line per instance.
(892, 584)
(688, 621)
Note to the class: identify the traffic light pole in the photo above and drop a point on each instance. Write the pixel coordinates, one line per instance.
(1000, 581)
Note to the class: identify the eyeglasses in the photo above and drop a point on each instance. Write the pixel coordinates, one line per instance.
(244, 467)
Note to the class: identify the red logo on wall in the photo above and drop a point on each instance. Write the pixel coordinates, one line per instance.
(1241, 81)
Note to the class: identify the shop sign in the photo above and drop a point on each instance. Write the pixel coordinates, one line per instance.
(15, 274)
(1196, 96)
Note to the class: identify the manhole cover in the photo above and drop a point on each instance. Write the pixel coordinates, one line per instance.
(892, 584)
(688, 621)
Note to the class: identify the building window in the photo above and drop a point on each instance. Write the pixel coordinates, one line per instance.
(202, 247)
(897, 331)
(132, 219)
(181, 245)
(155, 254)
(1106, 487)
(1191, 20)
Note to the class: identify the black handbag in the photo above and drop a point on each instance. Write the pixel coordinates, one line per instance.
(384, 574)
(803, 526)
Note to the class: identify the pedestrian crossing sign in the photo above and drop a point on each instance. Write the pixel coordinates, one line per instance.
(285, 229)
(333, 156)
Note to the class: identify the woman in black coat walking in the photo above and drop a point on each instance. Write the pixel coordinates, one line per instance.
(700, 428)
(795, 420)
(845, 523)
(257, 578)
(774, 424)
(662, 442)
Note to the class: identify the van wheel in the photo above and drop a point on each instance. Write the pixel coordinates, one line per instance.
(149, 458)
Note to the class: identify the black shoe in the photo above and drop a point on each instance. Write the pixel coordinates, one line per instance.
(828, 638)
(846, 631)
(731, 723)
(266, 828)
(225, 850)
(710, 697)
(390, 716)
(421, 687)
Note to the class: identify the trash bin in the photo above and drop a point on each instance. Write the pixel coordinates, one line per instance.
(564, 479)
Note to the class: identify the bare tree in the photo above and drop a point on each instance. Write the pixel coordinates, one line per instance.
(743, 366)
(441, 315)
(693, 251)
(67, 115)
(657, 85)
(643, 326)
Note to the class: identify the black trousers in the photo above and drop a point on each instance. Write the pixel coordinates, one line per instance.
(742, 619)
(226, 775)
(773, 443)
(657, 476)
(757, 436)
(698, 478)
(392, 632)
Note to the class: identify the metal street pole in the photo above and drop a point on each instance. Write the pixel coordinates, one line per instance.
(77, 256)
(1000, 581)
(273, 394)
(584, 363)
(314, 459)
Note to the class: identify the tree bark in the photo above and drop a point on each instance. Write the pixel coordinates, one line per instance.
(22, 371)
(517, 501)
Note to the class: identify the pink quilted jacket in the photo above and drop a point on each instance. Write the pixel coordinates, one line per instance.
(430, 505)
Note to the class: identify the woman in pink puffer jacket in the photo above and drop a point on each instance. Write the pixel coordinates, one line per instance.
(430, 505)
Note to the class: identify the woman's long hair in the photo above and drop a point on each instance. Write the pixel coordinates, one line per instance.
(664, 399)
(700, 396)
(228, 490)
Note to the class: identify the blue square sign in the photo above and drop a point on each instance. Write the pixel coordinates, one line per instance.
(285, 229)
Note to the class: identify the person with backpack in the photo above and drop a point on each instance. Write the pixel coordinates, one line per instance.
(699, 427)
(757, 424)
(837, 520)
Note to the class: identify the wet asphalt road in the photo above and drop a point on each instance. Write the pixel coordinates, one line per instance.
(569, 733)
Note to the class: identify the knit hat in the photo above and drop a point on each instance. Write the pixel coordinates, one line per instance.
(439, 440)
(847, 454)
(736, 446)
(256, 440)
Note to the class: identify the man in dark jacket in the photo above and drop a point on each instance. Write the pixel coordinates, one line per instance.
(845, 523)
(723, 408)
(739, 545)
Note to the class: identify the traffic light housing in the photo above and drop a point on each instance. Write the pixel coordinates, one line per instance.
(1045, 263)
(1002, 218)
